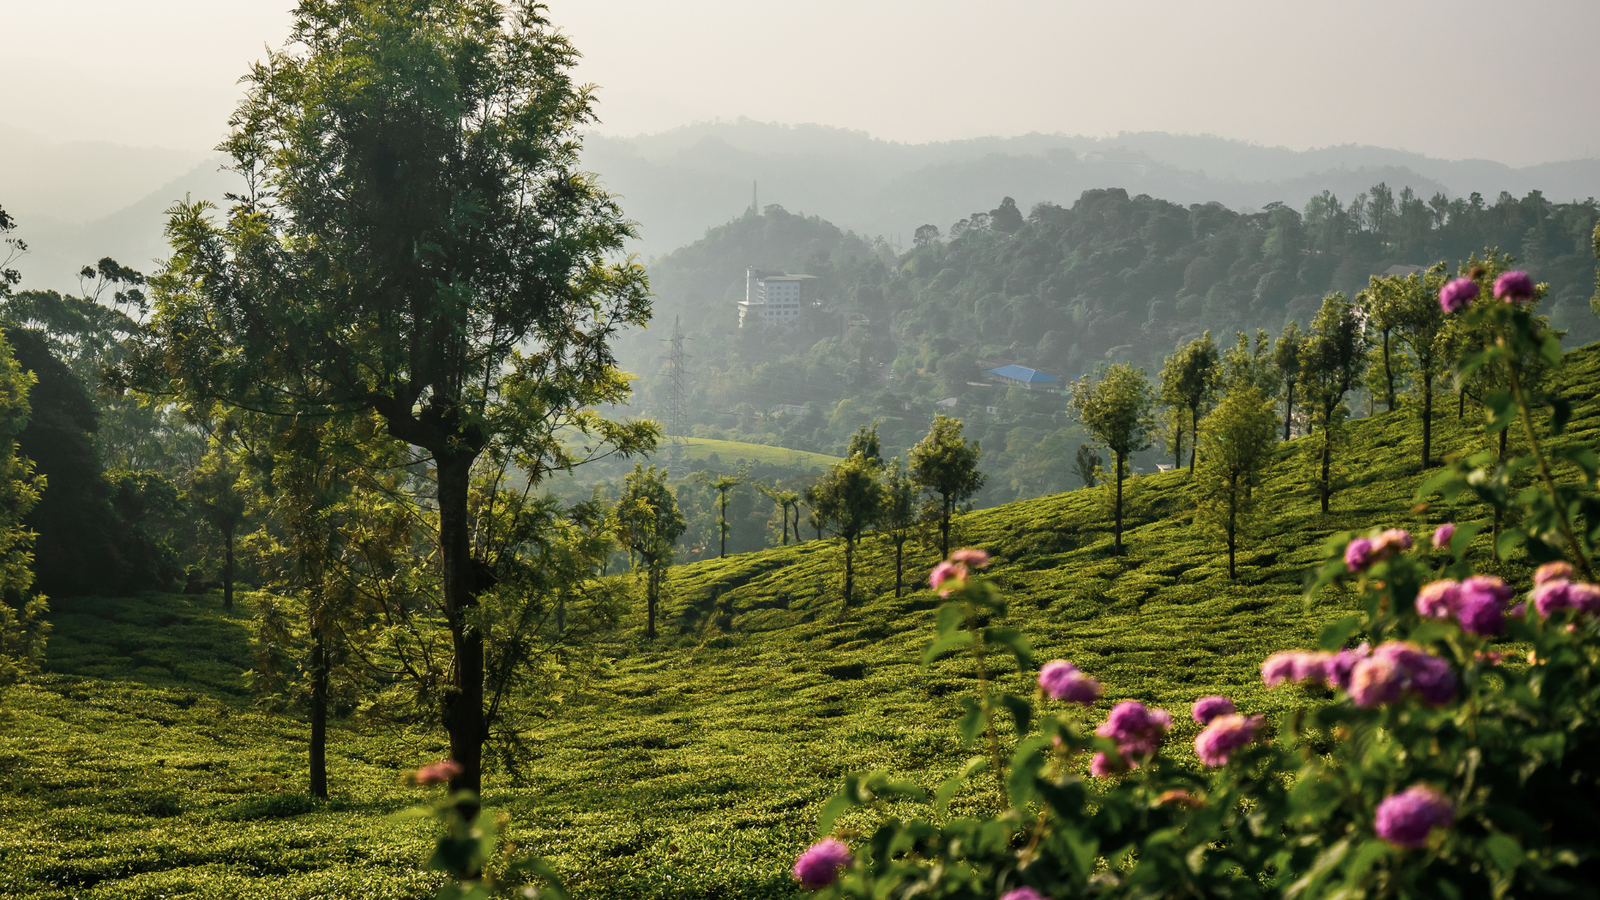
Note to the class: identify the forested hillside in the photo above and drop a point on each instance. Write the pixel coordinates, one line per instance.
(1112, 278)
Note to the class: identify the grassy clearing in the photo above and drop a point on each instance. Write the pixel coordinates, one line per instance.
(728, 452)
(137, 767)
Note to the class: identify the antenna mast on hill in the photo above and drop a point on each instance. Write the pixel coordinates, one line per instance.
(755, 204)
(677, 391)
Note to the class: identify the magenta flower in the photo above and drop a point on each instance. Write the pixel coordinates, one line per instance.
(1277, 668)
(1553, 571)
(1104, 765)
(1443, 534)
(970, 556)
(1585, 597)
(1358, 555)
(1407, 818)
(1393, 541)
(1061, 680)
(1482, 615)
(1226, 734)
(1552, 597)
(1487, 585)
(1432, 681)
(947, 572)
(1337, 669)
(438, 773)
(1136, 728)
(1439, 599)
(819, 866)
(1023, 893)
(1208, 708)
(1457, 293)
(1294, 665)
(1375, 681)
(1514, 287)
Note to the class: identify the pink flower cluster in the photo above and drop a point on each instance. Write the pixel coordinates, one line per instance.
(1554, 591)
(1443, 534)
(1478, 603)
(1407, 818)
(1061, 680)
(819, 866)
(438, 773)
(1225, 734)
(1138, 731)
(1362, 553)
(1514, 287)
(1370, 677)
(1023, 893)
(951, 575)
(1208, 708)
(1457, 294)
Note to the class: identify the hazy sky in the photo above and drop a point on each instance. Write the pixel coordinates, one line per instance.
(1519, 83)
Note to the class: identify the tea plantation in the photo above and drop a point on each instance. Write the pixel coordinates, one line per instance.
(137, 766)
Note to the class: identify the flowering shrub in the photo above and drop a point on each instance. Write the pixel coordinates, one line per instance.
(1457, 754)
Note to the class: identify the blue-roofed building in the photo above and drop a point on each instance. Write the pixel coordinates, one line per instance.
(1032, 379)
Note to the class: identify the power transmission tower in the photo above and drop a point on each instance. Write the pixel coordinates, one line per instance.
(677, 391)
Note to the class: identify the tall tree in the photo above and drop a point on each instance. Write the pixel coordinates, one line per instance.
(722, 484)
(1330, 363)
(649, 524)
(851, 499)
(1246, 364)
(417, 241)
(1115, 406)
(783, 500)
(1189, 381)
(1286, 360)
(899, 520)
(946, 464)
(1421, 328)
(1086, 464)
(214, 492)
(22, 610)
(1238, 436)
(1384, 311)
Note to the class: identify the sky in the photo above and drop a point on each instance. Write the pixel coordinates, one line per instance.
(1449, 78)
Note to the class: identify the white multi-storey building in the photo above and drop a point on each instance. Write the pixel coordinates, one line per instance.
(773, 298)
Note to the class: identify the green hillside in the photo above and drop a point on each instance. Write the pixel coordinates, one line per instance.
(136, 768)
(728, 452)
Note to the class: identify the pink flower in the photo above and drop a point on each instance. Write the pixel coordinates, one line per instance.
(819, 866)
(1443, 534)
(1294, 665)
(1336, 671)
(1217, 742)
(1585, 597)
(947, 571)
(1375, 681)
(1439, 599)
(1277, 668)
(970, 556)
(1393, 541)
(438, 773)
(1553, 571)
(1136, 728)
(1358, 555)
(1487, 585)
(1208, 708)
(1061, 680)
(1023, 893)
(1514, 287)
(1457, 293)
(1407, 818)
(1552, 597)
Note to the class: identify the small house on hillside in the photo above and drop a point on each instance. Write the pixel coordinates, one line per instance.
(1032, 379)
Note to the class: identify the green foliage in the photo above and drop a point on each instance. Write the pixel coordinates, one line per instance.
(851, 499)
(649, 524)
(1190, 379)
(1331, 363)
(1086, 464)
(1115, 406)
(22, 609)
(944, 464)
(1237, 439)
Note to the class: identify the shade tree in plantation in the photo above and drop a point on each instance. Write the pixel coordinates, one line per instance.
(1247, 363)
(215, 493)
(1286, 362)
(898, 523)
(22, 609)
(945, 465)
(1422, 330)
(1331, 362)
(1384, 311)
(1115, 405)
(1238, 439)
(784, 500)
(850, 498)
(649, 524)
(1086, 464)
(416, 242)
(722, 484)
(1189, 380)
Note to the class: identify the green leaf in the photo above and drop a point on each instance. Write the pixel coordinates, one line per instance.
(1465, 532)
(951, 616)
(1021, 712)
(1335, 634)
(1013, 639)
(1508, 541)
(837, 805)
(1560, 414)
(1550, 349)
(973, 723)
(1433, 484)
(1505, 851)
(953, 785)
(945, 644)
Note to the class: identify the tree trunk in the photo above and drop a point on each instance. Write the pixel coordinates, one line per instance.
(463, 701)
(1233, 523)
(849, 569)
(722, 525)
(1117, 533)
(1427, 420)
(1288, 410)
(227, 570)
(1327, 458)
(1388, 374)
(1177, 453)
(319, 712)
(651, 583)
(1194, 432)
(944, 526)
(899, 565)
